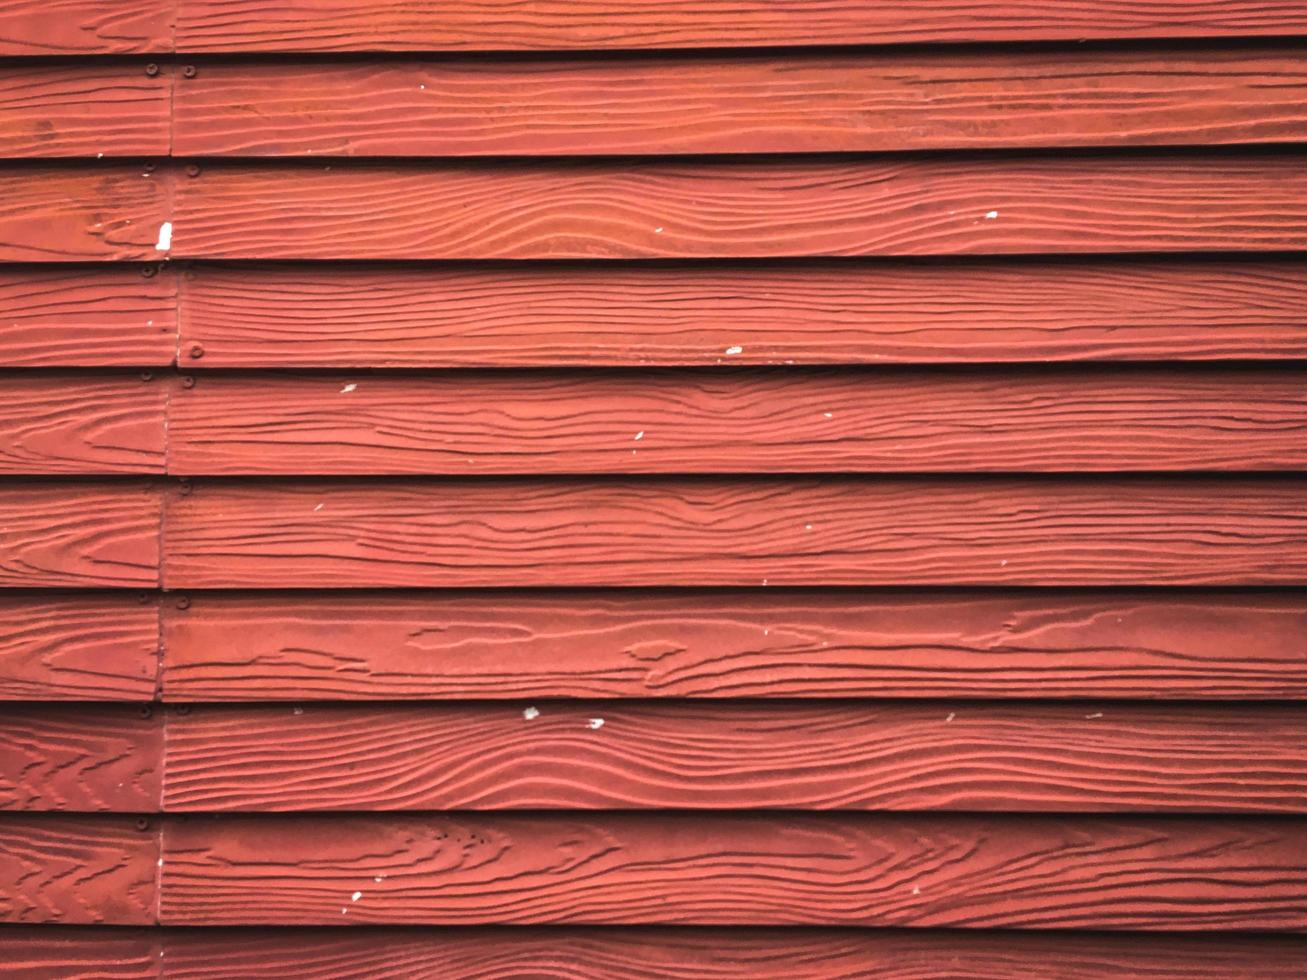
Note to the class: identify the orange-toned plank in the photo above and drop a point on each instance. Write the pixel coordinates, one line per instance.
(713, 755)
(81, 757)
(78, 870)
(744, 531)
(85, 110)
(394, 25)
(80, 953)
(763, 644)
(78, 648)
(84, 535)
(777, 420)
(69, 423)
(917, 870)
(722, 208)
(87, 317)
(82, 27)
(533, 315)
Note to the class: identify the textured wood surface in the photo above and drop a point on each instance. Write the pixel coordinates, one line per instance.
(81, 757)
(770, 103)
(791, 869)
(759, 531)
(79, 535)
(768, 644)
(81, 424)
(742, 421)
(723, 209)
(84, 212)
(87, 317)
(85, 870)
(394, 25)
(84, 27)
(936, 755)
(78, 648)
(86, 110)
(80, 953)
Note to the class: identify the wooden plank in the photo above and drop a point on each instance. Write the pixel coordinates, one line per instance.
(86, 110)
(80, 424)
(80, 27)
(81, 757)
(78, 648)
(756, 531)
(741, 421)
(480, 25)
(845, 313)
(798, 102)
(792, 869)
(730, 209)
(80, 953)
(932, 755)
(772, 644)
(83, 212)
(98, 870)
(87, 317)
(79, 535)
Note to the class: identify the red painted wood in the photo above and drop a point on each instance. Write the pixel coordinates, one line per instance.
(69, 423)
(763, 644)
(392, 25)
(85, 27)
(79, 535)
(89, 870)
(78, 648)
(933, 755)
(532, 315)
(81, 757)
(80, 953)
(759, 531)
(774, 421)
(791, 869)
(87, 317)
(87, 110)
(724, 209)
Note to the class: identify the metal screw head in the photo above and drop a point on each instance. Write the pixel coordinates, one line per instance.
(147, 375)
(184, 602)
(151, 69)
(142, 823)
(193, 170)
(145, 711)
(196, 351)
(183, 709)
(149, 271)
(185, 487)
(189, 71)
(188, 382)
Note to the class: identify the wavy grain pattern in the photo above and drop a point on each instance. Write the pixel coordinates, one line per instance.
(971, 871)
(83, 758)
(759, 531)
(85, 27)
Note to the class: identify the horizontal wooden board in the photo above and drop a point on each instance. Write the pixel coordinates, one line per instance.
(393, 25)
(792, 869)
(87, 317)
(78, 648)
(763, 644)
(79, 535)
(936, 755)
(741, 421)
(756, 531)
(80, 953)
(84, 110)
(795, 102)
(845, 313)
(88, 870)
(80, 27)
(81, 757)
(78, 424)
(678, 209)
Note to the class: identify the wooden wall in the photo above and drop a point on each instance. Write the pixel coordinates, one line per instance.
(759, 488)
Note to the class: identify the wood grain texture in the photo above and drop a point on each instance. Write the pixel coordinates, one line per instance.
(80, 424)
(80, 213)
(85, 27)
(772, 644)
(89, 870)
(80, 953)
(81, 757)
(741, 421)
(725, 209)
(87, 110)
(479, 25)
(78, 648)
(798, 102)
(546, 315)
(79, 535)
(712, 755)
(793, 869)
(759, 531)
(87, 317)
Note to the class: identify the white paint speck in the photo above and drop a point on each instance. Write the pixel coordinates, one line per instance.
(531, 714)
(318, 508)
(807, 527)
(379, 879)
(1096, 714)
(916, 891)
(829, 415)
(165, 237)
(658, 231)
(1003, 563)
(348, 388)
(99, 156)
(356, 896)
(639, 435)
(951, 716)
(735, 350)
(343, 910)
(297, 710)
(422, 87)
(991, 215)
(596, 723)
